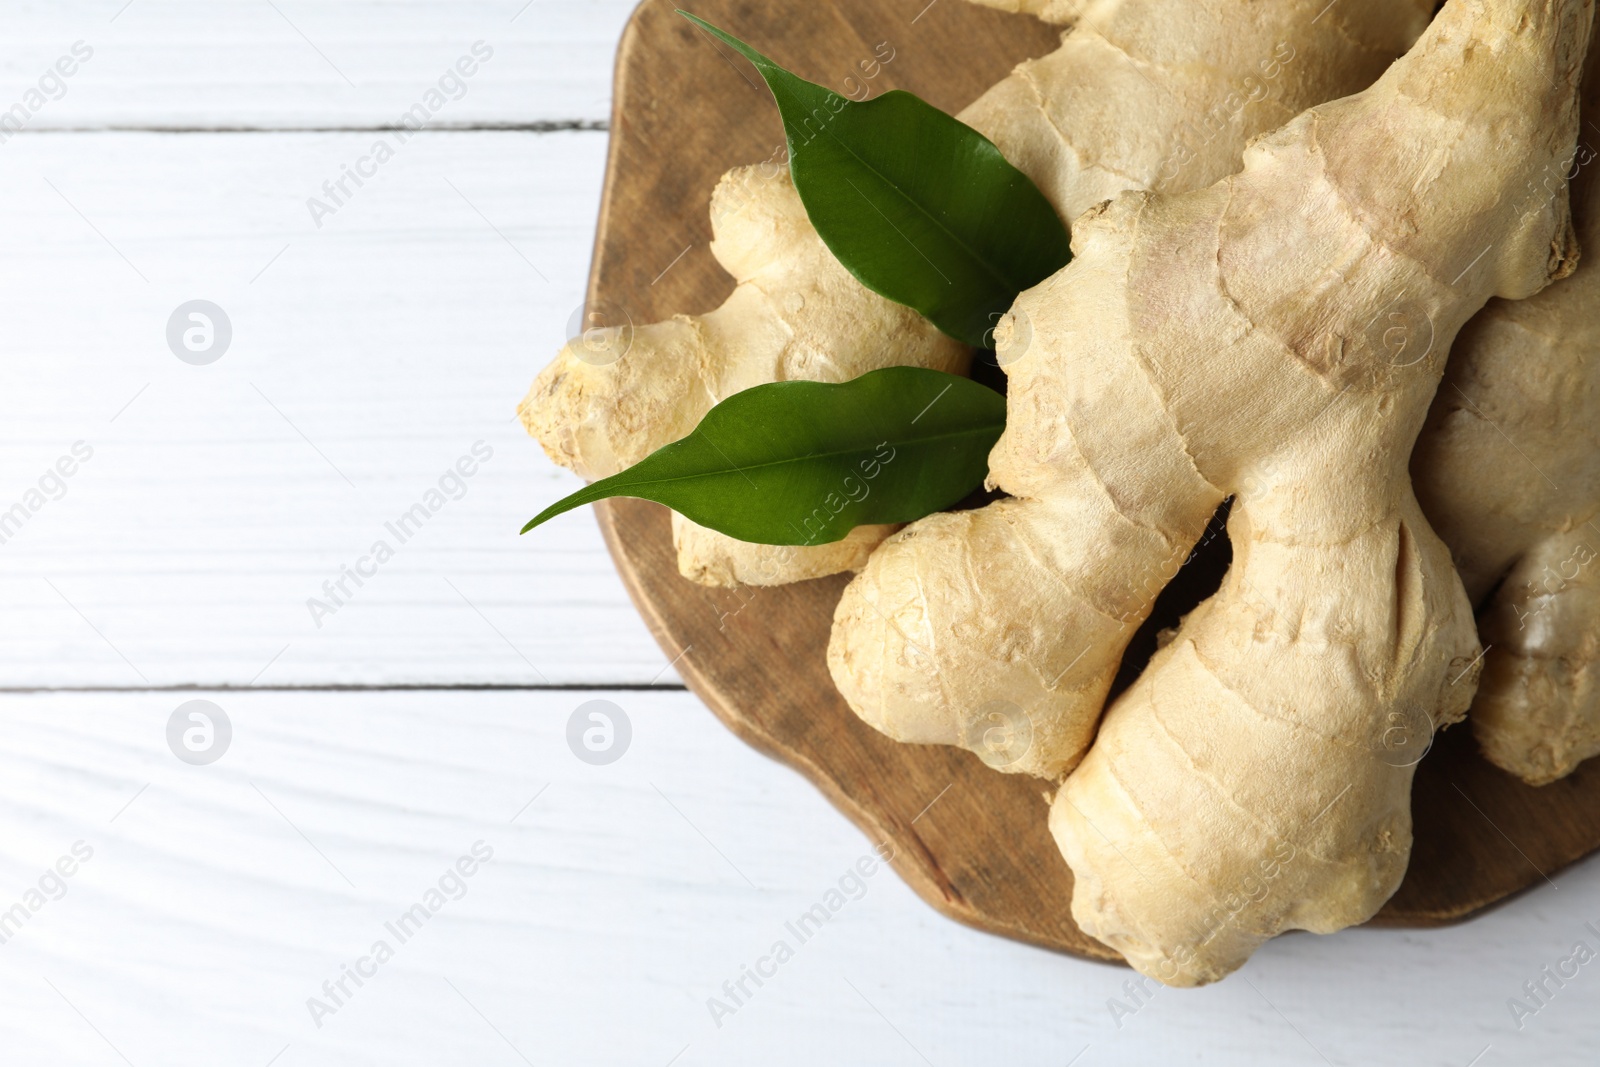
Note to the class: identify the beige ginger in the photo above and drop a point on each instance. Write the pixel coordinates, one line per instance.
(1142, 94)
(1508, 472)
(1229, 342)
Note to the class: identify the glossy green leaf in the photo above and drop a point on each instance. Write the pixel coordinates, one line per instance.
(918, 205)
(803, 463)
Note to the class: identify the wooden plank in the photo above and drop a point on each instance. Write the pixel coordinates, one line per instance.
(297, 63)
(367, 359)
(1502, 838)
(216, 902)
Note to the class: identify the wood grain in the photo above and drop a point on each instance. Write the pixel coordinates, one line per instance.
(973, 843)
(379, 347)
(615, 906)
(246, 64)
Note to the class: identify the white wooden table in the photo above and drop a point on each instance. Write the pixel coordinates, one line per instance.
(376, 744)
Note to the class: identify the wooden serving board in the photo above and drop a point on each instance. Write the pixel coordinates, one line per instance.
(970, 841)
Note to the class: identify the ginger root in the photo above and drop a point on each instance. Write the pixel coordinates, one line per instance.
(1230, 342)
(1508, 472)
(1142, 94)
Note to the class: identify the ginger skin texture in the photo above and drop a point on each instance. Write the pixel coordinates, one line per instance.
(1221, 343)
(1508, 472)
(1142, 94)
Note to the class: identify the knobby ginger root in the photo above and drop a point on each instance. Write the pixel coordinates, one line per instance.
(1228, 342)
(1142, 94)
(1508, 472)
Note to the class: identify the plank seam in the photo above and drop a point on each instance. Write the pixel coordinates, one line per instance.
(377, 687)
(539, 126)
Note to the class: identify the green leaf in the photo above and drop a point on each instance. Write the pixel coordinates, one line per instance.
(919, 206)
(803, 463)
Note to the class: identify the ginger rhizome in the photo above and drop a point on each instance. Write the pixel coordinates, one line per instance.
(1142, 94)
(1229, 343)
(1508, 472)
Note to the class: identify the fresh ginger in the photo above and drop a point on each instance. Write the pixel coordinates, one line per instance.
(1142, 94)
(1508, 472)
(1230, 342)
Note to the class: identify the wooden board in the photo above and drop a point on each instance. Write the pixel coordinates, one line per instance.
(319, 64)
(393, 338)
(973, 843)
(615, 905)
